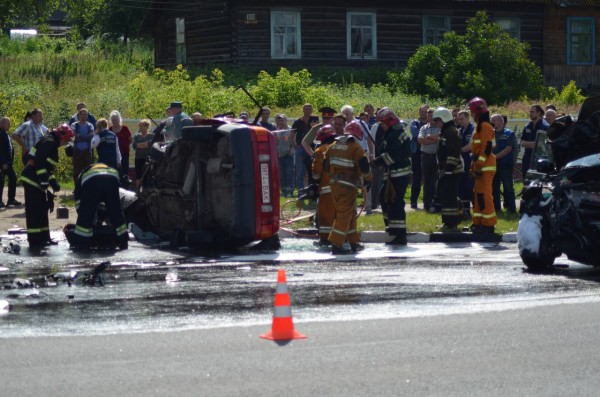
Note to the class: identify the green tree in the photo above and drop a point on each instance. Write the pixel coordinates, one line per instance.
(25, 13)
(485, 62)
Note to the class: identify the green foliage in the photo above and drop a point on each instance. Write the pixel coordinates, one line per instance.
(484, 62)
(284, 89)
(570, 95)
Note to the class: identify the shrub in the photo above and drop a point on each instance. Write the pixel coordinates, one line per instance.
(484, 62)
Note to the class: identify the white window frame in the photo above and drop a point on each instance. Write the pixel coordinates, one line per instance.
(516, 34)
(349, 27)
(180, 46)
(297, 35)
(439, 33)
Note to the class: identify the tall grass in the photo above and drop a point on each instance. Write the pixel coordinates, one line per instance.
(56, 74)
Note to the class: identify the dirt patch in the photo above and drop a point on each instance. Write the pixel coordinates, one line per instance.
(12, 217)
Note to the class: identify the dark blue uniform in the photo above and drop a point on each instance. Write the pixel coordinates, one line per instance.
(107, 148)
(97, 184)
(504, 171)
(529, 134)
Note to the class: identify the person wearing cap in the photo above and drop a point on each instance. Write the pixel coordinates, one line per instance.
(394, 154)
(244, 116)
(37, 176)
(347, 165)
(180, 120)
(450, 169)
(325, 209)
(483, 168)
(429, 134)
(302, 159)
(308, 142)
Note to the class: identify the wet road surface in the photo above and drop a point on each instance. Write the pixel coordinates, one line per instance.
(147, 290)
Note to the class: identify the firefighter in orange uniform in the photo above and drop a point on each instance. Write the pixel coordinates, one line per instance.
(483, 168)
(325, 210)
(346, 163)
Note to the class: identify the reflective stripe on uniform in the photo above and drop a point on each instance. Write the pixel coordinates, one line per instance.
(387, 158)
(397, 224)
(325, 189)
(83, 231)
(477, 141)
(37, 230)
(99, 171)
(341, 182)
(334, 230)
(341, 162)
(121, 229)
(52, 161)
(30, 182)
(488, 216)
(488, 169)
(41, 171)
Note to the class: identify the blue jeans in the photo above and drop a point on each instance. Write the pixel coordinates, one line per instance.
(300, 159)
(286, 174)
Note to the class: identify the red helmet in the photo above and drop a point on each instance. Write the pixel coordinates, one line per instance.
(64, 132)
(387, 117)
(477, 106)
(353, 128)
(325, 132)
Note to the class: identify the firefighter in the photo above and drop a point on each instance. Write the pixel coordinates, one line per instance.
(483, 168)
(37, 177)
(450, 169)
(98, 183)
(325, 210)
(396, 158)
(346, 163)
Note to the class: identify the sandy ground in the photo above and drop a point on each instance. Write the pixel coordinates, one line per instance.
(12, 217)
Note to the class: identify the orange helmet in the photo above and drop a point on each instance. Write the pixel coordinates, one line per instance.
(387, 116)
(353, 128)
(477, 106)
(64, 132)
(325, 132)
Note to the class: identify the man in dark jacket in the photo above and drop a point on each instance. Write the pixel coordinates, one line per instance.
(7, 154)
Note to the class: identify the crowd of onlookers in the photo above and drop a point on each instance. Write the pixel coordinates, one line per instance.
(295, 147)
(295, 150)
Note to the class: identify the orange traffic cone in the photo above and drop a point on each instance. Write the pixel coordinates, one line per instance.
(283, 325)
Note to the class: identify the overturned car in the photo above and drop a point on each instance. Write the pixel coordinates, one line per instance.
(216, 187)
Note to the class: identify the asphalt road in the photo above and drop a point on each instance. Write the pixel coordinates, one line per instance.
(546, 351)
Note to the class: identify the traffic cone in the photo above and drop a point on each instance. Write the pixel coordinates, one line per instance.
(283, 325)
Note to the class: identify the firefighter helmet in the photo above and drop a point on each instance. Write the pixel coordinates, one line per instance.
(64, 133)
(443, 114)
(477, 106)
(387, 117)
(353, 128)
(325, 132)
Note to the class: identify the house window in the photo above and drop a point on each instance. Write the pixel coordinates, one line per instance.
(512, 26)
(180, 52)
(434, 28)
(285, 34)
(361, 35)
(580, 41)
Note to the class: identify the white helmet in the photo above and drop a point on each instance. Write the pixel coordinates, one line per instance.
(442, 113)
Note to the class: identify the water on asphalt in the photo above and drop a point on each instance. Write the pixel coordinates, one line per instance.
(147, 289)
